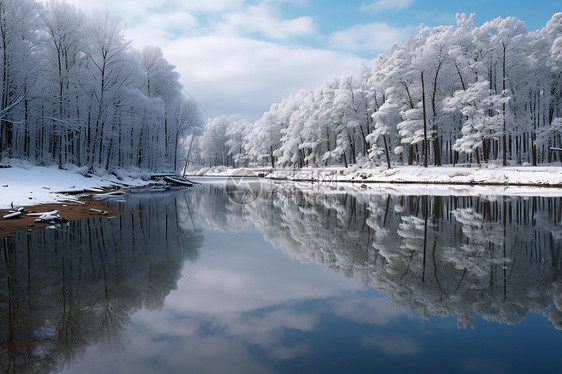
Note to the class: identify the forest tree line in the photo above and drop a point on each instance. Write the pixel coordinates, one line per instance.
(448, 95)
(73, 91)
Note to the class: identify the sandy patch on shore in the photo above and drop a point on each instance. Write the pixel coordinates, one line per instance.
(86, 207)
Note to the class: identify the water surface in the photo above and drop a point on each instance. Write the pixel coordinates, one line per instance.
(299, 280)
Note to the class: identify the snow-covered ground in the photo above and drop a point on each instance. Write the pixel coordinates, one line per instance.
(545, 176)
(445, 180)
(24, 184)
(522, 175)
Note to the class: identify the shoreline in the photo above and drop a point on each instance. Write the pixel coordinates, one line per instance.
(546, 176)
(406, 182)
(34, 187)
(84, 207)
(24, 184)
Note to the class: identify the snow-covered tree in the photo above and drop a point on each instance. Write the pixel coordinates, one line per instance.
(18, 67)
(265, 137)
(483, 117)
(383, 118)
(237, 133)
(223, 141)
(73, 91)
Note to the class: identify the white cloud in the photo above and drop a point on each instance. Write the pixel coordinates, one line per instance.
(385, 5)
(368, 310)
(132, 7)
(215, 47)
(372, 37)
(266, 20)
(394, 345)
(210, 5)
(165, 25)
(237, 290)
(268, 330)
(240, 75)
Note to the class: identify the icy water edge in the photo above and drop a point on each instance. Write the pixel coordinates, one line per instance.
(299, 280)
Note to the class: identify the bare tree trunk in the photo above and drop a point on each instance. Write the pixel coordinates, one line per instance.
(387, 154)
(435, 135)
(424, 123)
(504, 137)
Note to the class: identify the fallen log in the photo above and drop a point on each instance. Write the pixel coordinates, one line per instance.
(49, 217)
(72, 192)
(162, 175)
(12, 215)
(90, 189)
(178, 181)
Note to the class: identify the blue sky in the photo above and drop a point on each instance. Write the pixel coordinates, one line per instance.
(240, 56)
(333, 15)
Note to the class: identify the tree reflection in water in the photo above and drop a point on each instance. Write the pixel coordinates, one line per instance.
(497, 257)
(464, 256)
(64, 290)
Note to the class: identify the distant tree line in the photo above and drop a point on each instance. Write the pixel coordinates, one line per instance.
(74, 91)
(448, 95)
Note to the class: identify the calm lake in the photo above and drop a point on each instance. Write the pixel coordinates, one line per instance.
(285, 278)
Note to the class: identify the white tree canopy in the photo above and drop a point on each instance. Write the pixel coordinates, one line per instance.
(74, 91)
(448, 95)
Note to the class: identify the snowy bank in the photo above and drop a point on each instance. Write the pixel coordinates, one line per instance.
(544, 176)
(25, 184)
(445, 180)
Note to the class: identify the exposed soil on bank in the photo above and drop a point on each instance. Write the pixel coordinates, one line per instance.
(86, 207)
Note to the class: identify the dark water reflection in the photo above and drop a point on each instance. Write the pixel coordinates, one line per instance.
(246, 307)
(64, 290)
